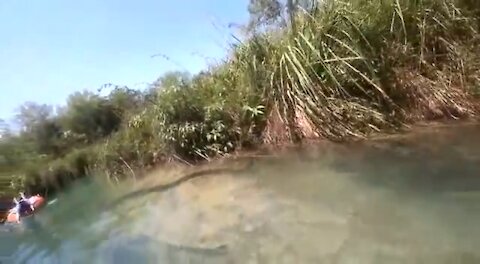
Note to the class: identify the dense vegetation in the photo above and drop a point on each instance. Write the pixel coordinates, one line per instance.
(304, 69)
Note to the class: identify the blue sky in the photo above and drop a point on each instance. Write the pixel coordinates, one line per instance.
(51, 48)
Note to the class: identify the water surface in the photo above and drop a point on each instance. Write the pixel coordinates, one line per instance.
(413, 199)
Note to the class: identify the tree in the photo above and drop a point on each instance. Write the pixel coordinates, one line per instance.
(90, 116)
(264, 13)
(4, 129)
(40, 128)
(277, 13)
(173, 79)
(125, 100)
(30, 114)
(48, 136)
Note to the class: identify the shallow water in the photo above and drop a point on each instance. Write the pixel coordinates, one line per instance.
(402, 200)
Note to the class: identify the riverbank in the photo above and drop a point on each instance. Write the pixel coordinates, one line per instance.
(339, 71)
(409, 143)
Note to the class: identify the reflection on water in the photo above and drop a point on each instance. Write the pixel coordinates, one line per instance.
(409, 200)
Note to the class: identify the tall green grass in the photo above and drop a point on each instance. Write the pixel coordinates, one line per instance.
(351, 68)
(347, 69)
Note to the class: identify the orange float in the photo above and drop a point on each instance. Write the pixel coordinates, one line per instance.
(37, 202)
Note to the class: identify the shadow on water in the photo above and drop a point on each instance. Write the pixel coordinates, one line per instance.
(167, 186)
(414, 199)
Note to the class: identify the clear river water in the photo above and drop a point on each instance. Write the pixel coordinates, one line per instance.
(409, 199)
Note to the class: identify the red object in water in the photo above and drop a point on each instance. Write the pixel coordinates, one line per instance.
(38, 202)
